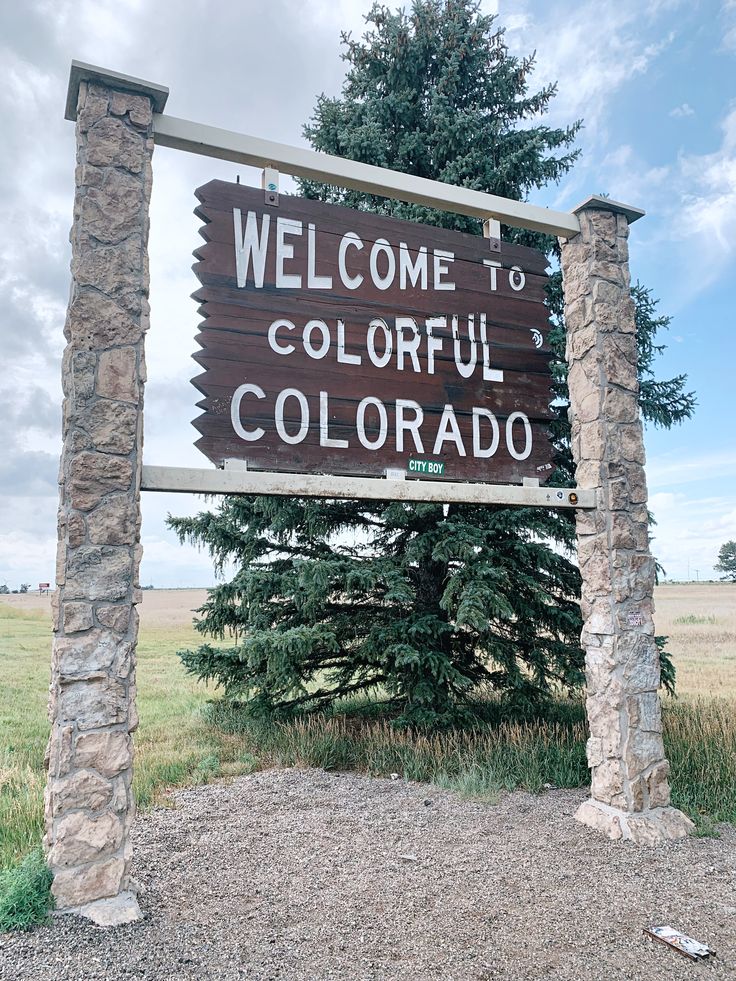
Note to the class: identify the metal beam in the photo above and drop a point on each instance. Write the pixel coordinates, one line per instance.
(209, 141)
(191, 480)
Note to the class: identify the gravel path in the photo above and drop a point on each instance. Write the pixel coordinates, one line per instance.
(300, 874)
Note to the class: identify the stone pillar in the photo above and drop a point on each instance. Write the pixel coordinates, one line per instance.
(630, 795)
(89, 801)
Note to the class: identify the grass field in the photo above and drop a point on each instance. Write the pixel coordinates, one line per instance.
(184, 740)
(174, 744)
(700, 621)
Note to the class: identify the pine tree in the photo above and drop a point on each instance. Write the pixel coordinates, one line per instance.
(427, 604)
(727, 561)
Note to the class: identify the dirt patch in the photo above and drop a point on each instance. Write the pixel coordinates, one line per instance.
(300, 874)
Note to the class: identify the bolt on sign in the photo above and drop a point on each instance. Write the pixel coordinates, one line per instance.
(341, 342)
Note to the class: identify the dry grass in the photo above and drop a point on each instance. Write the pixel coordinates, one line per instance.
(700, 621)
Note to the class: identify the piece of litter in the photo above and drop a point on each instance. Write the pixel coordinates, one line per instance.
(394, 776)
(680, 942)
(409, 858)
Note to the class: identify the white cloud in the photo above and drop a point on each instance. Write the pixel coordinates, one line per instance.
(28, 540)
(728, 26)
(694, 201)
(589, 73)
(693, 507)
(593, 51)
(690, 531)
(681, 466)
(708, 191)
(681, 111)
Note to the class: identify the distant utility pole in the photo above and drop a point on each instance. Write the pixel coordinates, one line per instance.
(697, 575)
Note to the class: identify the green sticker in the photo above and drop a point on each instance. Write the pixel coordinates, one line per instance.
(427, 467)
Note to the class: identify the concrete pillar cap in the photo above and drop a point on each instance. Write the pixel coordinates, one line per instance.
(81, 72)
(597, 202)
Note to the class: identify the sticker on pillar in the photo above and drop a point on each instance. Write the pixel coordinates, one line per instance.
(635, 619)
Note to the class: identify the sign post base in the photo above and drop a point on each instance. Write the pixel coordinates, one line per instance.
(649, 827)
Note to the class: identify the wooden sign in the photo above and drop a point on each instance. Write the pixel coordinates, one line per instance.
(341, 342)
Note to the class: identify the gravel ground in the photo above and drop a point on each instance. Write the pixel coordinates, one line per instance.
(300, 874)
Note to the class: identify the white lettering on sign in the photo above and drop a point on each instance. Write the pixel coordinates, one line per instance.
(273, 341)
(284, 251)
(510, 436)
(489, 374)
(411, 425)
(517, 279)
(321, 328)
(434, 344)
(448, 431)
(380, 263)
(376, 404)
(479, 451)
(415, 271)
(408, 425)
(314, 281)
(382, 248)
(250, 435)
(425, 466)
(441, 268)
(379, 360)
(411, 342)
(465, 370)
(291, 438)
(342, 357)
(408, 340)
(250, 247)
(348, 239)
(324, 423)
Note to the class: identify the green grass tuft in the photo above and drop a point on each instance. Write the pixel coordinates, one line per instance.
(25, 893)
(692, 619)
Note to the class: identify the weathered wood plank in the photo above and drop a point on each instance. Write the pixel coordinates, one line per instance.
(349, 329)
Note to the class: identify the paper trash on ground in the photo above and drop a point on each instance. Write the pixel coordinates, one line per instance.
(680, 942)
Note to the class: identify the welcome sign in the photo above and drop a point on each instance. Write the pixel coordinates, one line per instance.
(341, 342)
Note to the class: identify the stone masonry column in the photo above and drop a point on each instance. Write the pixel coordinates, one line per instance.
(630, 794)
(89, 801)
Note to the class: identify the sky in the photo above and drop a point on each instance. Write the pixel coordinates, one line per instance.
(653, 84)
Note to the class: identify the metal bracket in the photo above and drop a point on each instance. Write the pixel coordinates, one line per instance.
(530, 482)
(492, 231)
(270, 184)
(234, 464)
